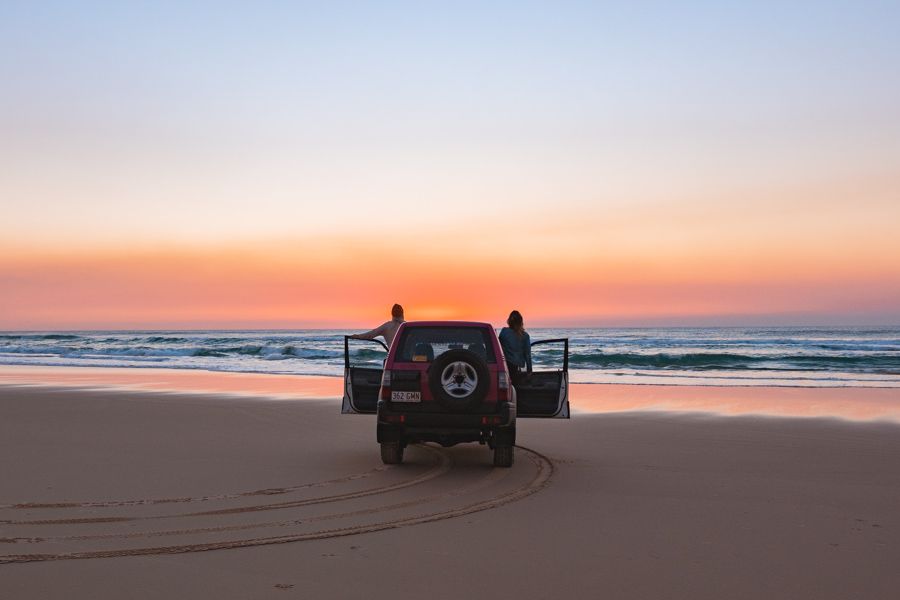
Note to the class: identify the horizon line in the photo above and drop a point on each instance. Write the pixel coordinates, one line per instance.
(349, 328)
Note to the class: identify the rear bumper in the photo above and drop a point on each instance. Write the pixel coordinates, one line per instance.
(444, 428)
(504, 415)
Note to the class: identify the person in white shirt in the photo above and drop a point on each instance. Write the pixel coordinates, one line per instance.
(387, 330)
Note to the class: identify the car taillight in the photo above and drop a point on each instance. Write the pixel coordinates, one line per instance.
(385, 393)
(502, 386)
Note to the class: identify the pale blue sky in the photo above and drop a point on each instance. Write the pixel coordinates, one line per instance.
(179, 116)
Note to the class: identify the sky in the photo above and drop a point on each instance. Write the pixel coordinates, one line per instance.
(290, 164)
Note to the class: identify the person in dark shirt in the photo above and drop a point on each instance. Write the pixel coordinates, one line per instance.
(516, 344)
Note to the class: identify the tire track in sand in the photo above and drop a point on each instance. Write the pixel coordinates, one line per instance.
(187, 499)
(543, 473)
(492, 477)
(441, 466)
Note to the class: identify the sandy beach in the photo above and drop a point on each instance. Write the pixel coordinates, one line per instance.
(108, 493)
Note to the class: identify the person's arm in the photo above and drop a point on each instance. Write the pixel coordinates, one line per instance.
(370, 335)
(527, 343)
(504, 343)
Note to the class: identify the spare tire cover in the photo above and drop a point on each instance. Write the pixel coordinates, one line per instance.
(458, 379)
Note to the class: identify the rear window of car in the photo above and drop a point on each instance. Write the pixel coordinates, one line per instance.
(424, 344)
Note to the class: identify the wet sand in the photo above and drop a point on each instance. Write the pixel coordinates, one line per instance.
(865, 404)
(106, 493)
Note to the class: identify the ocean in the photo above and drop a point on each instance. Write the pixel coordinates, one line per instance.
(778, 356)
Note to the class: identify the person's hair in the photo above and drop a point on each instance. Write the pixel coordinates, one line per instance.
(397, 311)
(516, 322)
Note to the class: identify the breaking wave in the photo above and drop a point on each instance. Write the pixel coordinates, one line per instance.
(860, 356)
(703, 360)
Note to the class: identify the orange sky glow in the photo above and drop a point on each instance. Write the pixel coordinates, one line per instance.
(335, 281)
(809, 256)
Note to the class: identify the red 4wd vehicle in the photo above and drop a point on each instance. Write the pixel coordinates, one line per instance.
(447, 382)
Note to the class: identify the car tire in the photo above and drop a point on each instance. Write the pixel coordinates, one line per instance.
(391, 453)
(504, 456)
(476, 366)
(504, 436)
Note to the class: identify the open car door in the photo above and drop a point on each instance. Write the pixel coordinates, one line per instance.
(545, 393)
(362, 376)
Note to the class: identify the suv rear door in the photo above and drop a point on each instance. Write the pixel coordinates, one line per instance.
(362, 376)
(545, 393)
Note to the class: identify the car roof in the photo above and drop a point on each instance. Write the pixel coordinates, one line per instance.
(446, 324)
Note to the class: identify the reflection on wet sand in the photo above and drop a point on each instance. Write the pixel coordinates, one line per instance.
(860, 404)
(171, 380)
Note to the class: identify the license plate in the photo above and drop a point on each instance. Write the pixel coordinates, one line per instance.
(406, 396)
